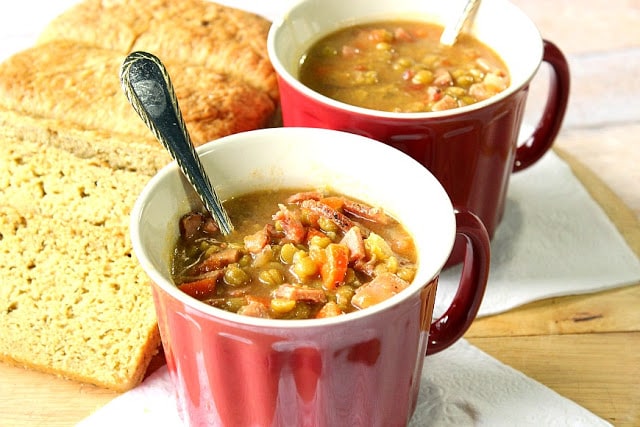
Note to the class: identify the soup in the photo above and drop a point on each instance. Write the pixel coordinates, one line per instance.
(400, 66)
(294, 255)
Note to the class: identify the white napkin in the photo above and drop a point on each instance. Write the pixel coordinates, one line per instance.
(461, 386)
(554, 240)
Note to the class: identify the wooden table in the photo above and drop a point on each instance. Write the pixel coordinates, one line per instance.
(587, 348)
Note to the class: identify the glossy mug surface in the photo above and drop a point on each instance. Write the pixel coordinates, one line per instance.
(360, 369)
(471, 150)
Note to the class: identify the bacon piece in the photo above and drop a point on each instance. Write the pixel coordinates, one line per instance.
(340, 219)
(292, 226)
(382, 287)
(254, 309)
(218, 260)
(353, 240)
(304, 195)
(298, 293)
(365, 211)
(255, 242)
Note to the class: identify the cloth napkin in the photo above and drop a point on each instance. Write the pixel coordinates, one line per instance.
(461, 386)
(554, 240)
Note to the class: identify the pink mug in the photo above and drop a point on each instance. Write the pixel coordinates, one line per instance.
(472, 150)
(358, 369)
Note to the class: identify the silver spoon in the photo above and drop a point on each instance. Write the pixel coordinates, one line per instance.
(146, 84)
(452, 30)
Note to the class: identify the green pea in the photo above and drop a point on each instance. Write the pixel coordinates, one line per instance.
(303, 266)
(235, 276)
(286, 253)
(327, 225)
(245, 261)
(455, 91)
(402, 63)
(271, 277)
(465, 80)
(422, 77)
(343, 297)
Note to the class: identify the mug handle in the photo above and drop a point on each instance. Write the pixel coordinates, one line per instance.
(475, 271)
(543, 136)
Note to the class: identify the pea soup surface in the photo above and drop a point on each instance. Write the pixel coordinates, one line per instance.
(294, 255)
(400, 66)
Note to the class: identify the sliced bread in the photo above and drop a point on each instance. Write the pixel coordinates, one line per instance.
(74, 156)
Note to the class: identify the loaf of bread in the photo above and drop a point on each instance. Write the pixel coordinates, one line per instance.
(66, 89)
(74, 156)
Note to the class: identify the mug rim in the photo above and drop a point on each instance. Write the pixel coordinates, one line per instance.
(166, 285)
(283, 72)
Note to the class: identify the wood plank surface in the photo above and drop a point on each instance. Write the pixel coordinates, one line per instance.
(599, 371)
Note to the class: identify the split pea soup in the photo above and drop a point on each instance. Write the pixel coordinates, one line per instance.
(401, 66)
(294, 255)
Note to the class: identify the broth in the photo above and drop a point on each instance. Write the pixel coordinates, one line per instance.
(294, 255)
(400, 66)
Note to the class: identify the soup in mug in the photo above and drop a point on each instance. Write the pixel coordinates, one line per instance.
(401, 66)
(294, 255)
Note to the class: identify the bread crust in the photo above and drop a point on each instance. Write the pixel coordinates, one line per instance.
(222, 39)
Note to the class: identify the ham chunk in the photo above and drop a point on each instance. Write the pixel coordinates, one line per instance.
(298, 293)
(256, 242)
(304, 195)
(353, 240)
(381, 288)
(218, 260)
(441, 77)
(254, 309)
(365, 211)
(340, 219)
(291, 224)
(446, 103)
(192, 223)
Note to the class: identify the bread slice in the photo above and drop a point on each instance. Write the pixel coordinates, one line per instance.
(74, 156)
(73, 300)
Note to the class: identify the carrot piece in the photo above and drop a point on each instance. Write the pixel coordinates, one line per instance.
(330, 309)
(334, 270)
(199, 288)
(313, 232)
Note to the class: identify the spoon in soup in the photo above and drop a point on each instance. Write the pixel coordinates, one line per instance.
(453, 29)
(148, 88)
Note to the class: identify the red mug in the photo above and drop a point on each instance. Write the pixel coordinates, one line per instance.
(359, 369)
(472, 150)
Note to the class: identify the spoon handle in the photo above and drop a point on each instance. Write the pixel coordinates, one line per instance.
(148, 88)
(451, 31)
